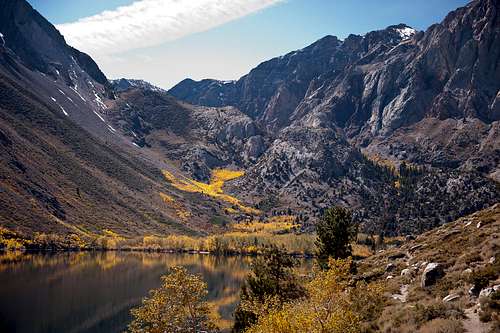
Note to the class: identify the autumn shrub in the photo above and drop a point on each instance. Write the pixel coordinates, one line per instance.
(11, 241)
(177, 306)
(332, 305)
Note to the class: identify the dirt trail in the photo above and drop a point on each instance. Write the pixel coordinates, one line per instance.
(472, 324)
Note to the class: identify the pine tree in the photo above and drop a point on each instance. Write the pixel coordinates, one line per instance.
(335, 231)
(273, 277)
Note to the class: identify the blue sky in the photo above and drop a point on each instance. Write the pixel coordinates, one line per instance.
(164, 41)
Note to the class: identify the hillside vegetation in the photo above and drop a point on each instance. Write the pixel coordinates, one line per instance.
(213, 189)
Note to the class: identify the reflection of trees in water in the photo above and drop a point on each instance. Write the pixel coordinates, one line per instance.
(104, 285)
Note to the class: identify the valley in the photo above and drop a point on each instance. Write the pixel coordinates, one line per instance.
(351, 186)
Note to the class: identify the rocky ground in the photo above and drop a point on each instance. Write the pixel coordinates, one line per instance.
(448, 278)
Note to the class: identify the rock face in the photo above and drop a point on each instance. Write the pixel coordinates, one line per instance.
(428, 99)
(199, 138)
(38, 43)
(432, 273)
(125, 84)
(270, 92)
(424, 97)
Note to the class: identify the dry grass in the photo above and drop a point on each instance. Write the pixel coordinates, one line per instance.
(441, 325)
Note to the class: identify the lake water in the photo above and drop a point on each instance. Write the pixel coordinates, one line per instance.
(94, 292)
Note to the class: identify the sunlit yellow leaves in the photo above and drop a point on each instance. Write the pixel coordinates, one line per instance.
(213, 189)
(333, 305)
(177, 306)
(180, 209)
(276, 224)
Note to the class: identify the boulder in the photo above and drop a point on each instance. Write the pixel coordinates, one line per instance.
(433, 272)
(407, 272)
(487, 292)
(390, 267)
(409, 238)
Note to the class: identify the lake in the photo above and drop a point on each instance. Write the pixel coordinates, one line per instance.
(94, 291)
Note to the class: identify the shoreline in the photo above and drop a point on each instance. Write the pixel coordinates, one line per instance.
(139, 250)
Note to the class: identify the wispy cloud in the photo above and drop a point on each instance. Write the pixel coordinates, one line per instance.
(147, 23)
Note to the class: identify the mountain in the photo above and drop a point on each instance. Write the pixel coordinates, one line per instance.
(351, 122)
(64, 167)
(429, 98)
(125, 84)
(426, 99)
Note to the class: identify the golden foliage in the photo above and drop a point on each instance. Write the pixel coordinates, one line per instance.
(383, 162)
(177, 306)
(213, 189)
(179, 208)
(110, 233)
(11, 241)
(332, 305)
(271, 225)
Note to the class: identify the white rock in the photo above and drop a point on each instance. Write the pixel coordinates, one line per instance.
(486, 292)
(432, 272)
(451, 298)
(406, 272)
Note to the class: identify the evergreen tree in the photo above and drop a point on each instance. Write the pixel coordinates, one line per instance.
(335, 231)
(272, 276)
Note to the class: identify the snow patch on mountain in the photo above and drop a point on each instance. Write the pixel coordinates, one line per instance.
(406, 32)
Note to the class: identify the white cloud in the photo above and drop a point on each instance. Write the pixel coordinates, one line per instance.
(147, 23)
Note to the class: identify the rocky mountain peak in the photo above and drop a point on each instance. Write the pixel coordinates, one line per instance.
(39, 44)
(121, 85)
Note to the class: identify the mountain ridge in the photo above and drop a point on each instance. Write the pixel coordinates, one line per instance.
(299, 136)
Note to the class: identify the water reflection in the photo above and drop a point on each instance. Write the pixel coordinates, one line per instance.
(93, 292)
